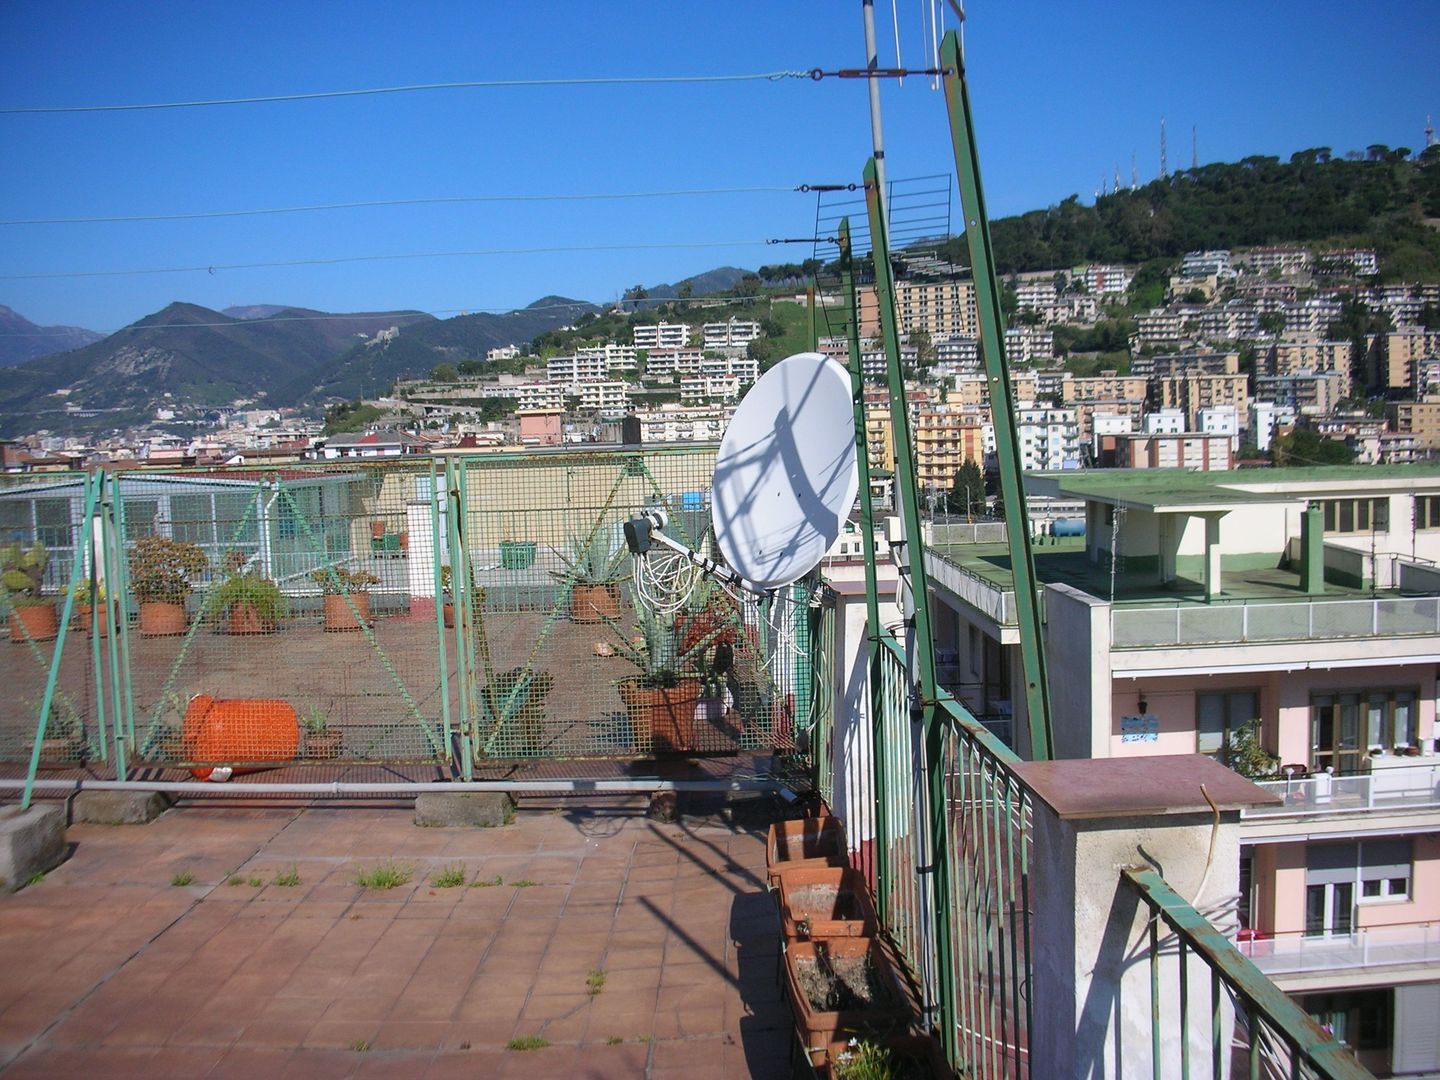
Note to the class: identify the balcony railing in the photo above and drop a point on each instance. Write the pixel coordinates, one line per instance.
(1394, 788)
(1367, 947)
(1254, 622)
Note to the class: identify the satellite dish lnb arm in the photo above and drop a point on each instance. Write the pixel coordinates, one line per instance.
(643, 532)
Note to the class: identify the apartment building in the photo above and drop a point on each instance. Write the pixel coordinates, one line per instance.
(661, 335)
(574, 369)
(698, 389)
(1278, 260)
(946, 438)
(618, 359)
(661, 363)
(1107, 386)
(609, 397)
(1106, 429)
(1312, 316)
(1221, 420)
(1035, 294)
(733, 333)
(1029, 344)
(937, 308)
(1306, 393)
(1049, 438)
(1191, 393)
(1266, 420)
(1291, 355)
(1192, 362)
(1103, 280)
(1163, 422)
(1175, 450)
(1392, 358)
(1301, 605)
(1161, 327)
(1349, 262)
(1203, 264)
(678, 423)
(963, 353)
(1417, 419)
(1230, 321)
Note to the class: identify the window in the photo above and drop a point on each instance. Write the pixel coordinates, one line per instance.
(1339, 874)
(1220, 715)
(1356, 515)
(1427, 511)
(1346, 726)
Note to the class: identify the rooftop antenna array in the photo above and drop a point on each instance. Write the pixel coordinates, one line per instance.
(1194, 149)
(1164, 155)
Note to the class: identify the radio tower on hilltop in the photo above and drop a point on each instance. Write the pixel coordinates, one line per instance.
(1134, 173)
(1164, 157)
(1429, 132)
(1194, 149)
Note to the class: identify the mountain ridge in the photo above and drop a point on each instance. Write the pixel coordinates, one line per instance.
(22, 340)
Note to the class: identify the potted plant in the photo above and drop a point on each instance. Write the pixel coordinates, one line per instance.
(251, 602)
(841, 987)
(160, 573)
(593, 573)
(709, 610)
(90, 608)
(477, 596)
(322, 742)
(514, 712)
(661, 700)
(825, 901)
(22, 576)
(341, 589)
(64, 742)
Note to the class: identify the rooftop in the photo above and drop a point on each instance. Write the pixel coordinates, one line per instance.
(112, 969)
(1177, 490)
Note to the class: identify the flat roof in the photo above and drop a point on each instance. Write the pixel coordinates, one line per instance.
(1181, 490)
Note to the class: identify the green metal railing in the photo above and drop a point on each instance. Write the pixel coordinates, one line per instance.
(420, 612)
(1272, 1036)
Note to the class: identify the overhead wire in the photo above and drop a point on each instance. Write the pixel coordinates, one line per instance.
(470, 84)
(440, 200)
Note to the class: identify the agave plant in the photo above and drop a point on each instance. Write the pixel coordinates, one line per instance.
(659, 651)
(22, 573)
(593, 561)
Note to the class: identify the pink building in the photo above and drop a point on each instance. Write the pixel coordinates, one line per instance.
(541, 427)
(1287, 623)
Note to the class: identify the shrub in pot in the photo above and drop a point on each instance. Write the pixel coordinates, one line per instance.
(841, 987)
(90, 608)
(22, 576)
(321, 741)
(513, 712)
(251, 603)
(594, 568)
(477, 596)
(661, 700)
(161, 571)
(346, 595)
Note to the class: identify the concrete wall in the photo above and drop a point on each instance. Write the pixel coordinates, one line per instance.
(1077, 653)
(1091, 968)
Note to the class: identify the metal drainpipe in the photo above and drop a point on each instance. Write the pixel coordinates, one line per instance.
(340, 787)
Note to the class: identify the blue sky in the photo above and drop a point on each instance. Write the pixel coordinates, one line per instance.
(1063, 94)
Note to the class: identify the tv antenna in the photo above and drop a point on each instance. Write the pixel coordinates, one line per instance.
(785, 480)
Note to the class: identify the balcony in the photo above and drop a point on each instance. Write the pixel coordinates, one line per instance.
(1367, 947)
(1398, 787)
(1264, 621)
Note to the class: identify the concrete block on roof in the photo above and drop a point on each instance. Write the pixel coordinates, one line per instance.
(120, 807)
(31, 842)
(473, 809)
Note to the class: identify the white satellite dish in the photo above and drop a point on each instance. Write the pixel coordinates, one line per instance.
(785, 477)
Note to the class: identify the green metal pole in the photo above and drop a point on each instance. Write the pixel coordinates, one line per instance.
(98, 618)
(460, 583)
(440, 650)
(810, 294)
(123, 745)
(924, 659)
(1002, 399)
(872, 593)
(76, 565)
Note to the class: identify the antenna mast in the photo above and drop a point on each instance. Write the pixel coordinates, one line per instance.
(877, 134)
(1429, 132)
(1164, 157)
(1134, 173)
(1194, 149)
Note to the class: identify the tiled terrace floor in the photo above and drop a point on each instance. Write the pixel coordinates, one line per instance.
(107, 969)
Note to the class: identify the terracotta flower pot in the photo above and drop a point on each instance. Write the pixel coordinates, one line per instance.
(447, 610)
(324, 745)
(841, 987)
(594, 603)
(92, 619)
(34, 622)
(339, 616)
(244, 619)
(662, 715)
(825, 902)
(805, 844)
(159, 618)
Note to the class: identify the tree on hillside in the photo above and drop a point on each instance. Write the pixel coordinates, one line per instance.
(445, 373)
(1304, 446)
(967, 491)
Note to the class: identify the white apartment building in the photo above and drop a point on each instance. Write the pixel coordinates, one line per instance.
(740, 368)
(1163, 326)
(504, 352)
(1220, 420)
(699, 389)
(661, 335)
(1203, 264)
(1231, 321)
(1265, 418)
(1360, 262)
(1029, 344)
(1049, 438)
(618, 359)
(606, 396)
(1036, 293)
(663, 363)
(1101, 280)
(577, 368)
(962, 352)
(676, 423)
(1193, 450)
(1163, 422)
(733, 333)
(1283, 260)
(1312, 316)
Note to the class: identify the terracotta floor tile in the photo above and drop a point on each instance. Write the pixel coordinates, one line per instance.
(410, 1035)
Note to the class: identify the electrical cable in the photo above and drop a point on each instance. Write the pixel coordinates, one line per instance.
(438, 200)
(479, 84)
(563, 249)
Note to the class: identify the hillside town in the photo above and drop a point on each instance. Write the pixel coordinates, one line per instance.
(1244, 350)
